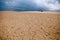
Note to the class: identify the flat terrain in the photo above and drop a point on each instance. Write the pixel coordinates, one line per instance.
(29, 25)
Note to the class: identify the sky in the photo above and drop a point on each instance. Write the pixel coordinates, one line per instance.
(30, 5)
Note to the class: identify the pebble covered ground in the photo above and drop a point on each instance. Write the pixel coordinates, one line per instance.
(29, 26)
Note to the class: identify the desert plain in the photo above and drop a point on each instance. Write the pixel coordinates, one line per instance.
(29, 25)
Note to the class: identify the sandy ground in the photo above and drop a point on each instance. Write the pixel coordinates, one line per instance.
(29, 25)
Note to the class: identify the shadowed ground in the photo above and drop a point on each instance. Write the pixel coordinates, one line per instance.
(29, 25)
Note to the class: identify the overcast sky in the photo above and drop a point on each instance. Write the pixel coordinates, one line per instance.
(28, 5)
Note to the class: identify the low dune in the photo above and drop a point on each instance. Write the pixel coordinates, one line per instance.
(29, 25)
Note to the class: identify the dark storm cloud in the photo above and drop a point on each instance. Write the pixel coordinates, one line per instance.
(30, 5)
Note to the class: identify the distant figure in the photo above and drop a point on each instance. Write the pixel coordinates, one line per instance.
(41, 10)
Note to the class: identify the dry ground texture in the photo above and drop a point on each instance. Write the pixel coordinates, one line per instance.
(29, 25)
